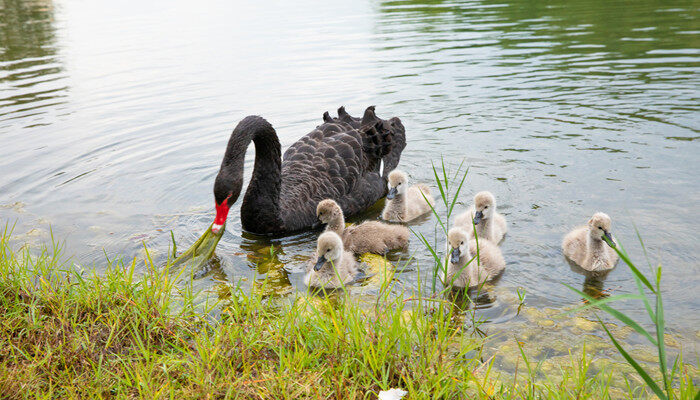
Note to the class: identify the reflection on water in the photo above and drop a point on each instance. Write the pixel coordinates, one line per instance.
(32, 81)
(594, 281)
(114, 118)
(477, 298)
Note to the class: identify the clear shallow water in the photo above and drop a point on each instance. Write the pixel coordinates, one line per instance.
(114, 118)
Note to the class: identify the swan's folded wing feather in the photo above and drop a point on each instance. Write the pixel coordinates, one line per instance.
(338, 160)
(326, 163)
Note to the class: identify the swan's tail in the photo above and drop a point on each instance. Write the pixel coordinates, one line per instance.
(384, 140)
(348, 119)
(327, 117)
(343, 116)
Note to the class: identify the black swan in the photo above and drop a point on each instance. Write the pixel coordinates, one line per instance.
(340, 160)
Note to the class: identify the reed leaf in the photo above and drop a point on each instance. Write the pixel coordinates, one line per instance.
(605, 300)
(623, 255)
(444, 228)
(642, 373)
(617, 314)
(647, 304)
(459, 189)
(660, 328)
(444, 174)
(439, 183)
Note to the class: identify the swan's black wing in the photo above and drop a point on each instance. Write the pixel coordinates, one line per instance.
(338, 160)
(386, 137)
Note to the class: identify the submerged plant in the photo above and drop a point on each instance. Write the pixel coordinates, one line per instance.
(201, 251)
(522, 294)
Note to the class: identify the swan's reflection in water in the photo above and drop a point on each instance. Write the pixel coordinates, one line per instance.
(272, 278)
(266, 259)
(477, 298)
(594, 282)
(594, 286)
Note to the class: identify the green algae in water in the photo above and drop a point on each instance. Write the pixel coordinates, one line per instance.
(198, 255)
(380, 270)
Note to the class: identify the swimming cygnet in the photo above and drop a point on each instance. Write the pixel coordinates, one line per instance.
(489, 223)
(462, 249)
(332, 267)
(585, 245)
(405, 203)
(367, 237)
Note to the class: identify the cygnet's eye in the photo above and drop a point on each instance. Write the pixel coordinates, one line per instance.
(485, 207)
(462, 242)
(600, 227)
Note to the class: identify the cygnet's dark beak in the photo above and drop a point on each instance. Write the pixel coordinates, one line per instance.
(392, 193)
(454, 259)
(477, 217)
(608, 236)
(319, 263)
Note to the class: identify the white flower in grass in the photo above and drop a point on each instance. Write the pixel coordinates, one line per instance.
(391, 394)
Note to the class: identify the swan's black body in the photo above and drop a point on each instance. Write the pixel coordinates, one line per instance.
(339, 160)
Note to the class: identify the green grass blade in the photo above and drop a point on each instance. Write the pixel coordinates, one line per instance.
(623, 255)
(459, 169)
(642, 373)
(647, 305)
(459, 189)
(172, 237)
(439, 183)
(437, 216)
(476, 238)
(603, 301)
(444, 174)
(428, 246)
(641, 242)
(660, 328)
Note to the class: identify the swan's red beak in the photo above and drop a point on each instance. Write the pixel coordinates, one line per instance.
(221, 214)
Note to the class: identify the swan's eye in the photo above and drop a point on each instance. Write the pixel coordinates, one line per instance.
(485, 207)
(600, 227)
(462, 243)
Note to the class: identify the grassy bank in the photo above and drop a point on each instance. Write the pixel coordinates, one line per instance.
(75, 334)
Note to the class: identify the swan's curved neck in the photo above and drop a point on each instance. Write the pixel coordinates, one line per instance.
(260, 209)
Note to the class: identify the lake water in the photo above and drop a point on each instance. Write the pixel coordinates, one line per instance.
(114, 117)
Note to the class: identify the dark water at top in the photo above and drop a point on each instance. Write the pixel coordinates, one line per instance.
(114, 117)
